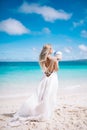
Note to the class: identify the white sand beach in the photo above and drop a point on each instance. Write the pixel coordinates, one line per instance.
(71, 112)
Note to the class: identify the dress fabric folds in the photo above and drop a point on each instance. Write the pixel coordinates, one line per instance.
(43, 101)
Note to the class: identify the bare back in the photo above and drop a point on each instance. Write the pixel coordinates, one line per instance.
(51, 64)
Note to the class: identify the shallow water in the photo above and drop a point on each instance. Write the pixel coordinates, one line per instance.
(25, 76)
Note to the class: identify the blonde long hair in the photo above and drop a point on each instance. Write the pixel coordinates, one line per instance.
(43, 55)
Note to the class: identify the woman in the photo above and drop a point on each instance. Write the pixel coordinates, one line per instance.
(41, 104)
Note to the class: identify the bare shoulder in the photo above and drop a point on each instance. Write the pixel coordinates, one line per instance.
(52, 58)
(49, 57)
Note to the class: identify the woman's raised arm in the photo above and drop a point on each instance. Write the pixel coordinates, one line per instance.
(55, 65)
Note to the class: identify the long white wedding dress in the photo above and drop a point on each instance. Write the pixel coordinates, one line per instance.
(41, 104)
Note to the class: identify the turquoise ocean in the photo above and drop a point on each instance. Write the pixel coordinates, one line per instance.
(23, 77)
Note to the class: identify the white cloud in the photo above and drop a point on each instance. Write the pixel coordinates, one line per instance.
(84, 33)
(34, 49)
(46, 30)
(67, 50)
(79, 23)
(13, 27)
(48, 13)
(83, 47)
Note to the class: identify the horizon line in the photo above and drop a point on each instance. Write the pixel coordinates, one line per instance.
(38, 61)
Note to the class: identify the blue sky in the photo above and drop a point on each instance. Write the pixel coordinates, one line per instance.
(26, 25)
